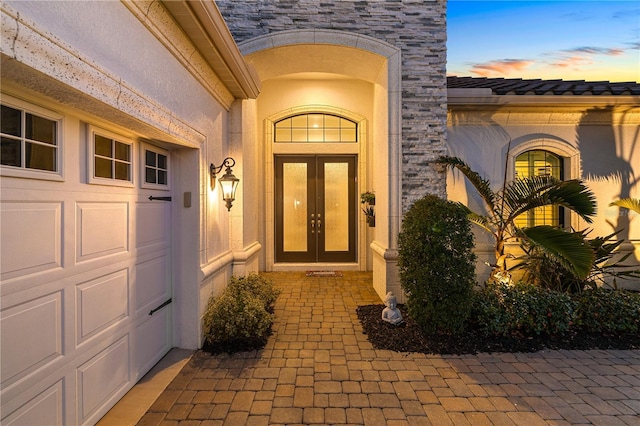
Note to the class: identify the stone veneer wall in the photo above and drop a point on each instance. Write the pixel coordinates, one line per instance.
(417, 27)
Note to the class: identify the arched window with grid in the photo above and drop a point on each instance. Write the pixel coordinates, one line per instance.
(540, 163)
(316, 128)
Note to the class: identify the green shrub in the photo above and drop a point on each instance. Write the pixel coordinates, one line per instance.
(488, 310)
(258, 286)
(244, 310)
(437, 264)
(603, 310)
(525, 308)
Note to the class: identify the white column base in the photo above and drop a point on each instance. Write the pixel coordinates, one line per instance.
(385, 272)
(245, 261)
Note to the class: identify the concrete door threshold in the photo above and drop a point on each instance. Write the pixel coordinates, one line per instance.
(130, 409)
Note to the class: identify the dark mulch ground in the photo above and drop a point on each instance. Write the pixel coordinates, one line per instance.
(407, 337)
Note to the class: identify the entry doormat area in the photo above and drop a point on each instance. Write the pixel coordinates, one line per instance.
(324, 273)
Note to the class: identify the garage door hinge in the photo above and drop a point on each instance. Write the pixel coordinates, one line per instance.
(151, 198)
(160, 307)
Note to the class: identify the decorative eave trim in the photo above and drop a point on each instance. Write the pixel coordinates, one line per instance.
(318, 36)
(463, 104)
(203, 23)
(461, 98)
(159, 21)
(31, 52)
(544, 115)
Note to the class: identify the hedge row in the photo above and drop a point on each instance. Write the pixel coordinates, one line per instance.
(525, 308)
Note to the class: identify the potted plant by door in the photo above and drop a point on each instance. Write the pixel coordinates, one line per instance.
(368, 201)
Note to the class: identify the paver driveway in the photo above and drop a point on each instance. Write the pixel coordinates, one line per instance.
(318, 368)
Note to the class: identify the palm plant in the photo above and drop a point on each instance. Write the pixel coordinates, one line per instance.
(521, 196)
(608, 265)
(628, 203)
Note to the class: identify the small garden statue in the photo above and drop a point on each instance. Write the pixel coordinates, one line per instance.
(391, 313)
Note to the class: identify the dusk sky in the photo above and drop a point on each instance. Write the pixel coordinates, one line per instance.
(569, 40)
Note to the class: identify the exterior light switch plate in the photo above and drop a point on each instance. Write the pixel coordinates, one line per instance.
(187, 199)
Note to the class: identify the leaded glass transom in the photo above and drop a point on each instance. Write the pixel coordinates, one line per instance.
(316, 128)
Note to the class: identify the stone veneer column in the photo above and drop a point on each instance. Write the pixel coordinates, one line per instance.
(418, 29)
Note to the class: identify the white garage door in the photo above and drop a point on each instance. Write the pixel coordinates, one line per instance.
(86, 266)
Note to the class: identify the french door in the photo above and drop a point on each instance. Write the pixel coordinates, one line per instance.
(315, 208)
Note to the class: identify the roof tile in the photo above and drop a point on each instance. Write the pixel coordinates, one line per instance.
(518, 86)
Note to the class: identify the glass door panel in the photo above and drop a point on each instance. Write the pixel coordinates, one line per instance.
(295, 207)
(337, 208)
(295, 239)
(315, 209)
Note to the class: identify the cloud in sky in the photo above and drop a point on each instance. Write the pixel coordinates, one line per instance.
(581, 56)
(573, 62)
(591, 40)
(500, 67)
(572, 58)
(595, 50)
(626, 14)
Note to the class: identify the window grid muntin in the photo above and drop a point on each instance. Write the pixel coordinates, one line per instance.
(539, 163)
(156, 168)
(315, 128)
(34, 138)
(112, 159)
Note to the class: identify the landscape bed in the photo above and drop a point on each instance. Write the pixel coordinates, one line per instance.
(407, 337)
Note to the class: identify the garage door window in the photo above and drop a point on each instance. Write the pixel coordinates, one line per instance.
(111, 159)
(155, 172)
(29, 141)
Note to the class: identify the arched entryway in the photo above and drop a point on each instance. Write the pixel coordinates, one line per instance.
(346, 75)
(318, 154)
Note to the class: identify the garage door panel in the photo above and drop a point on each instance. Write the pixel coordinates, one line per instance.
(152, 223)
(101, 229)
(44, 409)
(101, 303)
(30, 237)
(81, 265)
(31, 336)
(153, 283)
(102, 377)
(152, 340)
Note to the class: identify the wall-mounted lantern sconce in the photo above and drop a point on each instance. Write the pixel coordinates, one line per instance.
(228, 181)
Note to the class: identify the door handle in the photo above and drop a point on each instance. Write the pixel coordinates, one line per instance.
(160, 307)
(315, 224)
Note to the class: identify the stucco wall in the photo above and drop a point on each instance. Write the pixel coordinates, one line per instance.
(108, 36)
(119, 64)
(598, 143)
(416, 27)
(279, 95)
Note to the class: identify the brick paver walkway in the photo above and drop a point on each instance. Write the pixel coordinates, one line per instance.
(318, 368)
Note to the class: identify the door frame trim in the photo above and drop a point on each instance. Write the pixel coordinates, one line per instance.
(271, 150)
(315, 183)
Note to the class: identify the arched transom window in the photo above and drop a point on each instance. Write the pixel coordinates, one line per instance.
(539, 163)
(316, 128)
